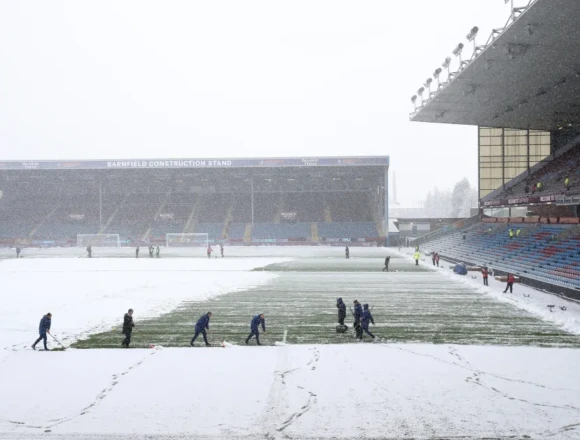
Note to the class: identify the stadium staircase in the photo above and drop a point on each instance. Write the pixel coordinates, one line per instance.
(147, 233)
(314, 232)
(44, 221)
(248, 233)
(547, 253)
(189, 225)
(112, 216)
(279, 209)
(228, 220)
(327, 214)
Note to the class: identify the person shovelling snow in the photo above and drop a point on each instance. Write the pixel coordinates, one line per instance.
(254, 327)
(510, 283)
(358, 312)
(43, 329)
(341, 306)
(387, 261)
(200, 327)
(128, 325)
(366, 319)
(485, 275)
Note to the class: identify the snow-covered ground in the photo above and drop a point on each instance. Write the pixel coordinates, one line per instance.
(392, 391)
(91, 295)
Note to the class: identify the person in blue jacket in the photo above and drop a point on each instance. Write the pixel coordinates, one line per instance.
(200, 327)
(43, 329)
(358, 312)
(341, 306)
(254, 327)
(366, 319)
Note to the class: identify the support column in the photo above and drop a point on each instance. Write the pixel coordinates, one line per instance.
(100, 205)
(252, 195)
(528, 151)
(503, 158)
(386, 227)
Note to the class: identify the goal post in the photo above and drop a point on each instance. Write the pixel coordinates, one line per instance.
(98, 240)
(187, 240)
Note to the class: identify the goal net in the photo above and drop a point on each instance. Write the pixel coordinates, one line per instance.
(98, 240)
(187, 240)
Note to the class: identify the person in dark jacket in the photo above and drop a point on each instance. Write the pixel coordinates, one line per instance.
(200, 327)
(151, 249)
(387, 261)
(437, 259)
(17, 252)
(366, 319)
(222, 250)
(254, 327)
(90, 251)
(347, 252)
(510, 283)
(341, 306)
(43, 329)
(358, 311)
(157, 252)
(128, 325)
(137, 252)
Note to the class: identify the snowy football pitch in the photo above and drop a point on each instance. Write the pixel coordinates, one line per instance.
(455, 360)
(409, 304)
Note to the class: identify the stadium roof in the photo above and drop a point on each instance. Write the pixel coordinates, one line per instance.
(528, 77)
(197, 163)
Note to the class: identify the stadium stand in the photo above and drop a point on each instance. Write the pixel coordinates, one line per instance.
(528, 145)
(252, 203)
(552, 176)
(548, 253)
(289, 231)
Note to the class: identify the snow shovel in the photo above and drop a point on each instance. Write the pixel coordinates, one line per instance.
(60, 343)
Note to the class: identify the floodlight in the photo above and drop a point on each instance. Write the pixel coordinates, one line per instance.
(420, 92)
(446, 63)
(427, 84)
(436, 75)
(414, 101)
(472, 33)
(457, 51)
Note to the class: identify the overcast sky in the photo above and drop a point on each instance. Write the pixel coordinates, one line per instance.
(189, 79)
